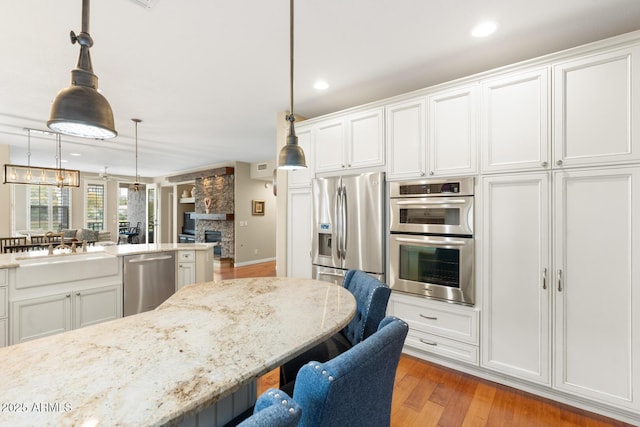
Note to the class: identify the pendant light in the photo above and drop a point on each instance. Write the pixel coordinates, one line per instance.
(291, 155)
(136, 184)
(80, 110)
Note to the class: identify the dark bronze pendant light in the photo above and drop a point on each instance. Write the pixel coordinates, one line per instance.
(80, 110)
(291, 155)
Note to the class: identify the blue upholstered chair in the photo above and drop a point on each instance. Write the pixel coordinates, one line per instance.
(356, 387)
(371, 297)
(274, 408)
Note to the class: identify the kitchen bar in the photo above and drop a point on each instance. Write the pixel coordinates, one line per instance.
(161, 366)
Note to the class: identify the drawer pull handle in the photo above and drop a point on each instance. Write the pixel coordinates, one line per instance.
(429, 317)
(423, 341)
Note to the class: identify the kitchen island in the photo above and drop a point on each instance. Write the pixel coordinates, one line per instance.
(158, 367)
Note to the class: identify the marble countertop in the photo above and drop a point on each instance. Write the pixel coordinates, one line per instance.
(156, 367)
(13, 260)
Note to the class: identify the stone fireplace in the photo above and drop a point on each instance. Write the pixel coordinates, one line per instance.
(221, 191)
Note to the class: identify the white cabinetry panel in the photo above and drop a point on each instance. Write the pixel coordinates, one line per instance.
(597, 279)
(40, 317)
(366, 139)
(515, 122)
(406, 139)
(97, 305)
(302, 177)
(453, 131)
(596, 109)
(299, 229)
(329, 142)
(515, 280)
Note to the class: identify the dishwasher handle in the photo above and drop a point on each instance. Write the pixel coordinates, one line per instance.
(159, 258)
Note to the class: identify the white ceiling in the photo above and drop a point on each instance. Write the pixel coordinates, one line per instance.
(207, 77)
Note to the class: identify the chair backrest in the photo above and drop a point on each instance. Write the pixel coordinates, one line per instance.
(372, 297)
(11, 241)
(274, 408)
(356, 387)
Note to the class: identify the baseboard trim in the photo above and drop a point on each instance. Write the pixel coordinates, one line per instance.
(256, 261)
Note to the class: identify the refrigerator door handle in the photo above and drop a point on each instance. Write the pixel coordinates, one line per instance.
(344, 233)
(338, 219)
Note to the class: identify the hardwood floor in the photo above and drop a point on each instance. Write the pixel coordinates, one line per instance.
(426, 394)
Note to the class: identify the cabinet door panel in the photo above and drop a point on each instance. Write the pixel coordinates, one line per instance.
(596, 283)
(329, 146)
(302, 177)
(97, 305)
(453, 132)
(516, 336)
(40, 317)
(515, 131)
(406, 140)
(365, 141)
(596, 99)
(299, 231)
(4, 337)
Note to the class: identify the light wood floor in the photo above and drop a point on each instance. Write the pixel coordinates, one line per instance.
(426, 394)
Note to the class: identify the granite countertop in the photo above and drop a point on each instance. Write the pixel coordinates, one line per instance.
(13, 260)
(156, 367)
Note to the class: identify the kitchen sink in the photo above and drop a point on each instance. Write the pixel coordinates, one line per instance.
(41, 270)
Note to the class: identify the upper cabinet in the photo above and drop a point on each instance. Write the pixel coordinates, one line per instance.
(453, 131)
(302, 177)
(515, 122)
(406, 139)
(353, 141)
(596, 102)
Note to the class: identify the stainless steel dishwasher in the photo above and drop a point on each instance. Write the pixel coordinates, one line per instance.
(149, 279)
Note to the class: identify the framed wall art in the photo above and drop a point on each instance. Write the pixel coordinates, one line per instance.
(257, 207)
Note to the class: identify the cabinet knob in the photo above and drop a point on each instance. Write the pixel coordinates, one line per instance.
(545, 164)
(430, 172)
(68, 295)
(77, 294)
(559, 162)
(342, 165)
(422, 174)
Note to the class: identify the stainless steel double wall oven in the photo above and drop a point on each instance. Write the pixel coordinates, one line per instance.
(431, 242)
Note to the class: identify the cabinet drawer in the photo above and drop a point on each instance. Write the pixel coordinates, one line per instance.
(437, 318)
(4, 277)
(187, 256)
(3, 302)
(441, 346)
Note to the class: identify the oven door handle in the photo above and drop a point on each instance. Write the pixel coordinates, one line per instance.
(431, 202)
(450, 242)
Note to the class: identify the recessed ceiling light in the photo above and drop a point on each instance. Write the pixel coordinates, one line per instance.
(484, 29)
(321, 85)
(75, 154)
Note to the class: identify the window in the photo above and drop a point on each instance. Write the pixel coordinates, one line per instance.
(49, 207)
(95, 205)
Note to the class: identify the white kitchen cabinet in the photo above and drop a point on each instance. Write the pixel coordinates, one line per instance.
(515, 132)
(299, 229)
(453, 131)
(96, 305)
(40, 317)
(597, 98)
(406, 139)
(302, 177)
(437, 328)
(4, 333)
(596, 283)
(516, 273)
(52, 314)
(186, 268)
(353, 141)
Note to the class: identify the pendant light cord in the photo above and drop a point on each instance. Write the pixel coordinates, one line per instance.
(291, 118)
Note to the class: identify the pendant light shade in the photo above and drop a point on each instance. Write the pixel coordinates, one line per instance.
(80, 110)
(291, 155)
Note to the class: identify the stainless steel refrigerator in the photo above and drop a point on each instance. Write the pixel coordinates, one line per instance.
(348, 226)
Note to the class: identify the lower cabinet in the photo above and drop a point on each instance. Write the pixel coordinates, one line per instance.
(186, 268)
(299, 230)
(438, 328)
(39, 317)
